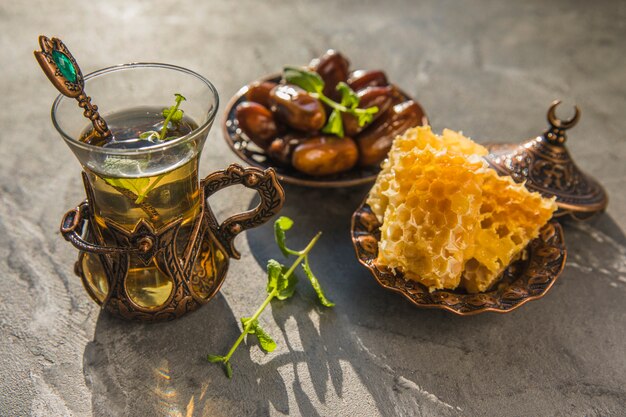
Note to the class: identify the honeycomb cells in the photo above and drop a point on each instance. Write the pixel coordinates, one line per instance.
(426, 233)
(448, 219)
(510, 217)
(396, 176)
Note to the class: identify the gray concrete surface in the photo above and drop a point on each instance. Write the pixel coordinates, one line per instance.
(489, 68)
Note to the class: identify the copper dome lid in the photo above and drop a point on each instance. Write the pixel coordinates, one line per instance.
(547, 167)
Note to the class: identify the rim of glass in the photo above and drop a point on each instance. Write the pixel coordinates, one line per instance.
(148, 149)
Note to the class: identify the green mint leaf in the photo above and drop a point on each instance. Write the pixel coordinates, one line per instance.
(280, 227)
(244, 323)
(286, 286)
(265, 340)
(135, 185)
(274, 271)
(278, 282)
(334, 125)
(177, 114)
(316, 285)
(149, 135)
(215, 358)
(124, 166)
(228, 369)
(308, 80)
(172, 114)
(348, 96)
(365, 116)
(149, 188)
(281, 284)
(140, 184)
(284, 222)
(114, 182)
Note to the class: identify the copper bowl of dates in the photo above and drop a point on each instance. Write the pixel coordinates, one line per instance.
(322, 125)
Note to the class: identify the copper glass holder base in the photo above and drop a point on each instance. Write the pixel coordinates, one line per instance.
(196, 266)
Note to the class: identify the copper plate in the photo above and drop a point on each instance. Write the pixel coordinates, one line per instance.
(255, 156)
(521, 282)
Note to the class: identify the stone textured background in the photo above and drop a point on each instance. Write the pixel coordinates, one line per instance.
(488, 67)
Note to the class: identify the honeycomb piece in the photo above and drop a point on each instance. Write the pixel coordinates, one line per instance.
(510, 217)
(427, 234)
(447, 218)
(391, 180)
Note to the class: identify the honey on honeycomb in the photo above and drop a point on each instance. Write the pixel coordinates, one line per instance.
(447, 218)
(510, 217)
(394, 179)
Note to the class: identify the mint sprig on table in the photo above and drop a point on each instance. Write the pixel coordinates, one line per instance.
(281, 284)
(312, 83)
(141, 186)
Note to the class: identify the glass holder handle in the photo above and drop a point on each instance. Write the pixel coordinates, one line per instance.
(264, 182)
(73, 225)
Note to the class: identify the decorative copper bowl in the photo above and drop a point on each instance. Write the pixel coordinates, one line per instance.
(255, 156)
(521, 282)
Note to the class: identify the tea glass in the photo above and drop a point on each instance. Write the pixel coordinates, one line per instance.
(150, 246)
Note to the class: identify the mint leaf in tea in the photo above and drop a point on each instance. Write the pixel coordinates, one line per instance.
(141, 127)
(135, 128)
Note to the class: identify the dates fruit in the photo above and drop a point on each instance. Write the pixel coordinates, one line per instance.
(325, 155)
(375, 142)
(381, 97)
(333, 68)
(295, 107)
(259, 92)
(287, 120)
(281, 149)
(361, 79)
(257, 122)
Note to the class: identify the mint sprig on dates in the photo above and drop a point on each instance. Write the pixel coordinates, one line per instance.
(281, 284)
(312, 83)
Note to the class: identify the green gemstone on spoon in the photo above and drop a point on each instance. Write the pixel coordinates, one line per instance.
(65, 65)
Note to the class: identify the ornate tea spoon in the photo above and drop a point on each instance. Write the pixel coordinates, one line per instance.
(59, 65)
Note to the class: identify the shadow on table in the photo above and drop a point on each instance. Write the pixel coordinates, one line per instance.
(373, 348)
(329, 357)
(407, 359)
(161, 369)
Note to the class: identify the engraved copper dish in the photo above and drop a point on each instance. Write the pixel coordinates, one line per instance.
(521, 282)
(255, 156)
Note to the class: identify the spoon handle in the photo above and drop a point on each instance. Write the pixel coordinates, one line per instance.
(59, 65)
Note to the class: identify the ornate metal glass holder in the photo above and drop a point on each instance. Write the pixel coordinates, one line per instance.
(148, 253)
(196, 263)
(546, 166)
